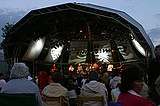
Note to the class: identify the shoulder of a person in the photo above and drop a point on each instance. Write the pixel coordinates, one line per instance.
(2, 80)
(102, 84)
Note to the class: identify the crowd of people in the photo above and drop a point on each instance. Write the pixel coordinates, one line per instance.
(129, 87)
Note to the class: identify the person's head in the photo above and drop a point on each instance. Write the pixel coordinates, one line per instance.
(157, 50)
(95, 65)
(131, 79)
(106, 74)
(85, 76)
(93, 75)
(42, 74)
(70, 82)
(116, 73)
(19, 70)
(56, 77)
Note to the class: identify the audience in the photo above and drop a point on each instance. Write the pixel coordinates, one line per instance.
(55, 89)
(145, 90)
(94, 88)
(131, 87)
(115, 80)
(84, 79)
(115, 93)
(43, 80)
(153, 73)
(106, 80)
(19, 83)
(71, 93)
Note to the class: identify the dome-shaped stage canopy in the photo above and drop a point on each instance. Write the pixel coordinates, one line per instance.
(77, 33)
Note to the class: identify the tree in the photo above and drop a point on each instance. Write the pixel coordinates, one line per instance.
(5, 29)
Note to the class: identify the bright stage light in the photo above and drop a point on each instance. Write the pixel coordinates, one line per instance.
(39, 45)
(34, 49)
(139, 47)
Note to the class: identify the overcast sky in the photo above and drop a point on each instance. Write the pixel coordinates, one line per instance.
(146, 12)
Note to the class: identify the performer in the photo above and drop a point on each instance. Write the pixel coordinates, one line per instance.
(53, 69)
(110, 66)
(71, 68)
(79, 69)
(95, 66)
(88, 67)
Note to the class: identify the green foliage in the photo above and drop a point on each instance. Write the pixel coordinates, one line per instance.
(5, 29)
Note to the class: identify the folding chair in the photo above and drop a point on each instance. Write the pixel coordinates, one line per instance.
(17, 99)
(57, 100)
(81, 99)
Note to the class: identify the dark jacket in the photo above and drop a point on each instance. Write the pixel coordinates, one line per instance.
(153, 73)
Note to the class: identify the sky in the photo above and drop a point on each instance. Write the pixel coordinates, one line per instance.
(146, 12)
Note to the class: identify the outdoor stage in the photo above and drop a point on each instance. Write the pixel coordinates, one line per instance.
(74, 33)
